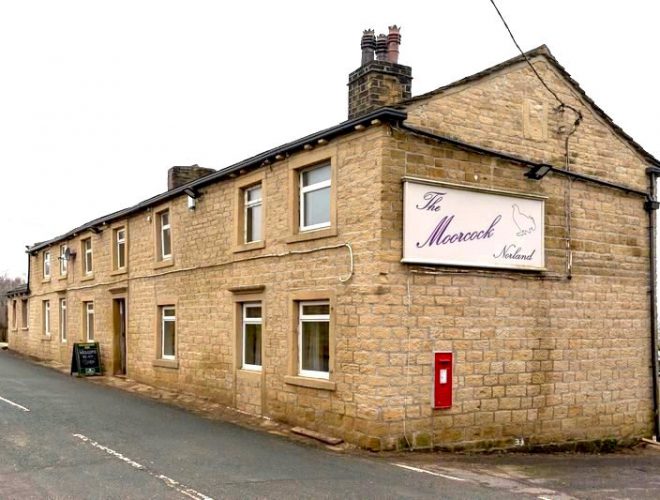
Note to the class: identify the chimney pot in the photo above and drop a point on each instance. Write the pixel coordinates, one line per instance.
(368, 45)
(381, 47)
(393, 42)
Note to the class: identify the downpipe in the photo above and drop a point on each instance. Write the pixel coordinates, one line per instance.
(651, 207)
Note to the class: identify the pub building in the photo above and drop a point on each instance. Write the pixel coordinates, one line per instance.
(467, 268)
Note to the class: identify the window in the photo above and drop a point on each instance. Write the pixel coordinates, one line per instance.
(14, 310)
(119, 254)
(64, 262)
(88, 262)
(46, 317)
(88, 312)
(251, 336)
(252, 214)
(63, 320)
(167, 332)
(164, 236)
(46, 264)
(314, 339)
(25, 313)
(315, 185)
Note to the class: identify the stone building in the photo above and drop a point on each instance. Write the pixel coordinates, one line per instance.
(490, 225)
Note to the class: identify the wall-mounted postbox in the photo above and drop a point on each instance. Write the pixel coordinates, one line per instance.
(442, 379)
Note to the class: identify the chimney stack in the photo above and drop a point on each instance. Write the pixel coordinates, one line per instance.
(381, 81)
(178, 176)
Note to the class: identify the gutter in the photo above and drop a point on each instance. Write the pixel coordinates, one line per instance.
(652, 207)
(381, 115)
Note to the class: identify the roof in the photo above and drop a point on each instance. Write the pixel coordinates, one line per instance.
(18, 291)
(394, 114)
(542, 51)
(382, 115)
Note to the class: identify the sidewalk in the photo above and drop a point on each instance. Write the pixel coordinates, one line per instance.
(199, 406)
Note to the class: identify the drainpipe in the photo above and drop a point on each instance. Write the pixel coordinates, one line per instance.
(651, 206)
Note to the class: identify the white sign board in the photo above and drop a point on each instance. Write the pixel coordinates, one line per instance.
(459, 226)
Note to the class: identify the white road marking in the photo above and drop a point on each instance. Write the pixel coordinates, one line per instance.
(417, 469)
(14, 404)
(169, 482)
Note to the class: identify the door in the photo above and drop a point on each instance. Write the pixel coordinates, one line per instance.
(119, 343)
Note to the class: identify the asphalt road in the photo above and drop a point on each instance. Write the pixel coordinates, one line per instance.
(83, 440)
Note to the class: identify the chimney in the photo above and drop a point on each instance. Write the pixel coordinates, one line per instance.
(381, 47)
(393, 42)
(178, 176)
(381, 81)
(368, 46)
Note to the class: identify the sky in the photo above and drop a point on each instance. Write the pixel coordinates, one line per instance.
(99, 98)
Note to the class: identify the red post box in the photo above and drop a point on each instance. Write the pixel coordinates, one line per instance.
(442, 379)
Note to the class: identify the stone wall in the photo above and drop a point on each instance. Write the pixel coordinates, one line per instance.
(538, 356)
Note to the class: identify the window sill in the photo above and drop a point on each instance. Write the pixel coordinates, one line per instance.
(166, 363)
(313, 383)
(246, 247)
(117, 272)
(63, 277)
(163, 263)
(250, 372)
(46, 338)
(45, 280)
(312, 235)
(87, 277)
(25, 328)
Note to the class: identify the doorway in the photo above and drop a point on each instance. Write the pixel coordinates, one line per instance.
(119, 343)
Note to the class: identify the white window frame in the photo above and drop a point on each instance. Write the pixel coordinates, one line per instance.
(63, 321)
(120, 241)
(89, 252)
(311, 188)
(163, 319)
(46, 312)
(64, 263)
(247, 204)
(250, 321)
(312, 318)
(165, 227)
(47, 264)
(89, 311)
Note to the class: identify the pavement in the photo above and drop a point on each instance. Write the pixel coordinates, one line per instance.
(68, 437)
(110, 437)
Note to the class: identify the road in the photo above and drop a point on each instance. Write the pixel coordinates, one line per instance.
(64, 437)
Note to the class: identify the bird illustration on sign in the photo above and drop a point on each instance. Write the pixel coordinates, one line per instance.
(526, 223)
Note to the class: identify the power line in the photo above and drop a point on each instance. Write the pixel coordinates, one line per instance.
(562, 104)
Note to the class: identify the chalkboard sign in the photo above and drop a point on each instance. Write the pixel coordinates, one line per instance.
(86, 359)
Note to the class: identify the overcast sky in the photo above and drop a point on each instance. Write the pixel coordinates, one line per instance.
(98, 99)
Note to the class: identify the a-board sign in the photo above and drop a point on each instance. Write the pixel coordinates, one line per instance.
(86, 359)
